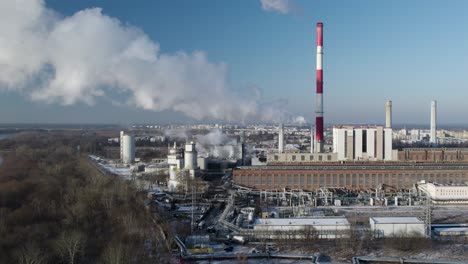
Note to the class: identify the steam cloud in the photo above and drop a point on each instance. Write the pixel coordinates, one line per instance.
(216, 144)
(79, 58)
(281, 6)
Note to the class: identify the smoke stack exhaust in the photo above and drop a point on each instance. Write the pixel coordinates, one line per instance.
(319, 103)
(388, 114)
(280, 138)
(433, 135)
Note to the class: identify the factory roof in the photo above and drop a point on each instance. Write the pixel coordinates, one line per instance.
(302, 221)
(362, 166)
(396, 220)
(457, 230)
(358, 126)
(437, 184)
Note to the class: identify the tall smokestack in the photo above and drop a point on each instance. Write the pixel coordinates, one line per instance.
(433, 135)
(388, 114)
(280, 138)
(319, 102)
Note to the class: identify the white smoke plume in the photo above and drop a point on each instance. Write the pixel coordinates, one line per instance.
(177, 133)
(78, 58)
(281, 6)
(218, 145)
(299, 120)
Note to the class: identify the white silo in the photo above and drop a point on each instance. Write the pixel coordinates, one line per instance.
(128, 149)
(190, 156)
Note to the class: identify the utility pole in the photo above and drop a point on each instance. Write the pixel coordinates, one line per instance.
(193, 204)
(428, 215)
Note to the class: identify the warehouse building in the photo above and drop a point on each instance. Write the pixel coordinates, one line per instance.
(348, 175)
(445, 193)
(397, 226)
(326, 228)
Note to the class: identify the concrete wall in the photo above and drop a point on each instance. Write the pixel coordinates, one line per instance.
(388, 144)
(379, 143)
(397, 229)
(371, 143)
(358, 145)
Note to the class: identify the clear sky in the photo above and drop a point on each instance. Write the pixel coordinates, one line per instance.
(410, 52)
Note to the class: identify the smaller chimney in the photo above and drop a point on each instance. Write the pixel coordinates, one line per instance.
(433, 135)
(388, 114)
(280, 138)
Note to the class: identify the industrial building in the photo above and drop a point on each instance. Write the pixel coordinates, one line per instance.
(348, 175)
(363, 143)
(433, 155)
(445, 193)
(397, 226)
(182, 160)
(451, 232)
(275, 228)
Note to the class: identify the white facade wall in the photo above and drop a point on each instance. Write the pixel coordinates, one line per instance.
(358, 144)
(335, 136)
(341, 144)
(324, 227)
(397, 226)
(371, 143)
(379, 143)
(388, 144)
(445, 193)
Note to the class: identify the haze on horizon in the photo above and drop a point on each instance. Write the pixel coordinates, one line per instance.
(179, 61)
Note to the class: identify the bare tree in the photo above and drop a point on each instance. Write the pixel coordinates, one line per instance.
(69, 245)
(30, 254)
(115, 254)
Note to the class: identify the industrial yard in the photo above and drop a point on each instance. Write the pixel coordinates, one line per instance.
(194, 132)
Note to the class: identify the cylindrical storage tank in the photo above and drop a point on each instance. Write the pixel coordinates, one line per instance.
(190, 156)
(250, 217)
(202, 163)
(172, 173)
(128, 149)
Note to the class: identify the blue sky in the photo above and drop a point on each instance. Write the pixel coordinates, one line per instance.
(408, 51)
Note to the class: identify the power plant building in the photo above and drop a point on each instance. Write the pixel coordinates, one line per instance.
(352, 175)
(363, 143)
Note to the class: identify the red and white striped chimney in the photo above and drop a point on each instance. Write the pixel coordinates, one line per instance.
(319, 103)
